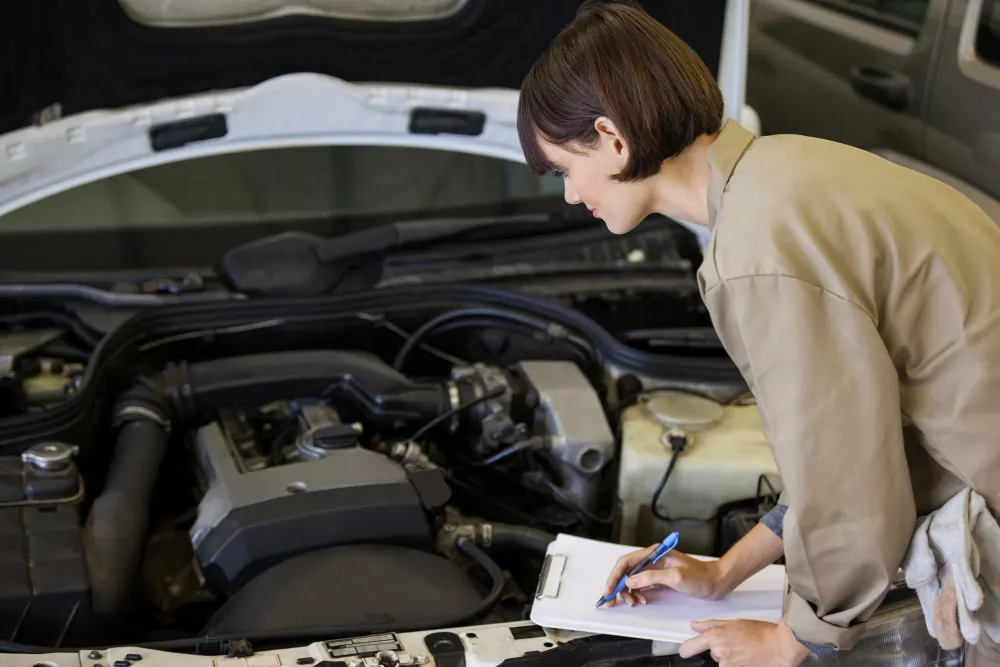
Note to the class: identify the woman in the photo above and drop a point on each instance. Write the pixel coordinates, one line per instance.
(859, 299)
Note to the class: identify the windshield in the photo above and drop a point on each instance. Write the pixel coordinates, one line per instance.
(188, 213)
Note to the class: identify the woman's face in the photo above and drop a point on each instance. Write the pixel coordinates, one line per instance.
(587, 179)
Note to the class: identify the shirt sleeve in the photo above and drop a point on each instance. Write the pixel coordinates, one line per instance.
(774, 519)
(828, 397)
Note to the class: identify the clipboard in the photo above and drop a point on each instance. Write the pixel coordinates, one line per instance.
(573, 577)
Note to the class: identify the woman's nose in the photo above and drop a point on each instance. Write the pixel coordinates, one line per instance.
(569, 193)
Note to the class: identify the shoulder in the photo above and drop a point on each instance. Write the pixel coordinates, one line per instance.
(810, 208)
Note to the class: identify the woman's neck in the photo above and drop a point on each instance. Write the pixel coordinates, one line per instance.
(680, 190)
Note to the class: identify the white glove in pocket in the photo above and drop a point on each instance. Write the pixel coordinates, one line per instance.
(953, 563)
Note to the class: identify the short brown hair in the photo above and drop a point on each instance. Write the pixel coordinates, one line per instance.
(615, 60)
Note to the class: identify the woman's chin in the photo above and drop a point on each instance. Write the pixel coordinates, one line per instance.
(619, 226)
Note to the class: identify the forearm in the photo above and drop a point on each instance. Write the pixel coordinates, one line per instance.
(755, 551)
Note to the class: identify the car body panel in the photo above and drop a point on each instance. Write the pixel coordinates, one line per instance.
(800, 60)
(963, 124)
(831, 68)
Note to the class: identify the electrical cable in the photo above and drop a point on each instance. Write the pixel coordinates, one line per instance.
(530, 443)
(206, 333)
(423, 430)
(581, 352)
(663, 481)
(678, 443)
(430, 349)
(285, 428)
(549, 328)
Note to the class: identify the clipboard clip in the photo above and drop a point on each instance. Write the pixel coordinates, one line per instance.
(551, 576)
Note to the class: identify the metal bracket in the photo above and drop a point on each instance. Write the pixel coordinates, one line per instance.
(551, 576)
(16, 344)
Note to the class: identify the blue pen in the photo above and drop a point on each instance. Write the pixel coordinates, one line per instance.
(665, 547)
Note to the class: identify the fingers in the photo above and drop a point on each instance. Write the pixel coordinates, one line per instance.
(696, 645)
(648, 578)
(705, 626)
(673, 559)
(623, 565)
(632, 598)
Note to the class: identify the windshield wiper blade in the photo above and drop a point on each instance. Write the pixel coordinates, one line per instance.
(301, 263)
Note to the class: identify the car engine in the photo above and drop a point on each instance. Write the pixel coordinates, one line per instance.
(293, 476)
(172, 481)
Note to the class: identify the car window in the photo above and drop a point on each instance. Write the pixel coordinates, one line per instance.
(911, 12)
(988, 39)
(283, 186)
(906, 15)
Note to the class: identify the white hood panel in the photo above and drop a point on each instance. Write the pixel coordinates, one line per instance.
(292, 110)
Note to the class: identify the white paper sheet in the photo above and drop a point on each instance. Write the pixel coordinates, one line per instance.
(668, 615)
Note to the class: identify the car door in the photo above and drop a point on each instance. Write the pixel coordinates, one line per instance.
(963, 125)
(853, 71)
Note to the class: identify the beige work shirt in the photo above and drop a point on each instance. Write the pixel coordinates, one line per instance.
(861, 301)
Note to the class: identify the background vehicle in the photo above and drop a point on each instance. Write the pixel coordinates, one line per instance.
(914, 80)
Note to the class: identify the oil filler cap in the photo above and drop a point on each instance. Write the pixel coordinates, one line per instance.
(683, 410)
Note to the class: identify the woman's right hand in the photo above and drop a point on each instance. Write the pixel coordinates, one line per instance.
(687, 575)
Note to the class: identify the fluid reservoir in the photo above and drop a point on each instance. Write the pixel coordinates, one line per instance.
(724, 459)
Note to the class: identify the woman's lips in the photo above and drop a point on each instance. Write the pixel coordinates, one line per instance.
(593, 212)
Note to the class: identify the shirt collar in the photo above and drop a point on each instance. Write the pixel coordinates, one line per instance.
(723, 156)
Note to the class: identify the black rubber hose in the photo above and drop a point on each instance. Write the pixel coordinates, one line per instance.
(115, 533)
(506, 536)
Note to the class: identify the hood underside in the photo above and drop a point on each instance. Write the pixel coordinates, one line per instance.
(106, 87)
(97, 54)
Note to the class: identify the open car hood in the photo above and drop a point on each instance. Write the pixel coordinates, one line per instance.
(141, 121)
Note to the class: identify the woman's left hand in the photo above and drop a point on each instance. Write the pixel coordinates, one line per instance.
(746, 644)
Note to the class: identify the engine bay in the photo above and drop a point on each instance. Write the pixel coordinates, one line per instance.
(344, 466)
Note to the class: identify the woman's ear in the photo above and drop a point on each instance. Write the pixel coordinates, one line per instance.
(610, 138)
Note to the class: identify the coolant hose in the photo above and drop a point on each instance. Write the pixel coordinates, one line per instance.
(506, 536)
(115, 532)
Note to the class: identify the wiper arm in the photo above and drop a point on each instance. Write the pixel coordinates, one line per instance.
(301, 263)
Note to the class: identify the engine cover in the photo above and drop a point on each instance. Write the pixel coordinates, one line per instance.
(253, 516)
